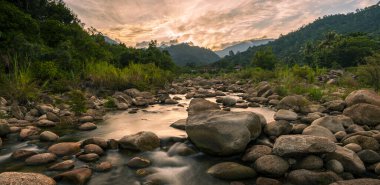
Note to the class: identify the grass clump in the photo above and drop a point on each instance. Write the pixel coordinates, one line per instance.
(77, 102)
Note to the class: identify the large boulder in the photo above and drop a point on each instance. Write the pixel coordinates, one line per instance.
(303, 177)
(48, 136)
(142, 141)
(229, 101)
(19, 178)
(333, 123)
(363, 96)
(278, 128)
(285, 115)
(364, 114)
(65, 148)
(255, 152)
(39, 159)
(295, 102)
(179, 124)
(77, 176)
(231, 171)
(199, 105)
(223, 133)
(349, 159)
(271, 165)
(315, 130)
(290, 145)
(364, 181)
(366, 142)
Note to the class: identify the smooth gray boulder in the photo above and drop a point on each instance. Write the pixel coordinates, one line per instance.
(333, 123)
(363, 96)
(364, 114)
(315, 130)
(141, 141)
(349, 159)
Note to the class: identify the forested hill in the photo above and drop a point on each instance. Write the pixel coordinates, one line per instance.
(289, 47)
(186, 55)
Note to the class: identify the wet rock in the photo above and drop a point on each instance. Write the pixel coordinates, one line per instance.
(363, 181)
(138, 162)
(289, 145)
(295, 103)
(335, 166)
(65, 148)
(44, 108)
(333, 123)
(180, 149)
(364, 114)
(229, 101)
(85, 119)
(350, 161)
(267, 181)
(1, 142)
(369, 156)
(277, 128)
(354, 147)
(20, 178)
(285, 115)
(15, 129)
(180, 124)
(302, 177)
(103, 167)
(298, 128)
(315, 130)
(97, 141)
(39, 159)
(22, 154)
(310, 162)
(223, 133)
(271, 165)
(255, 152)
(27, 133)
(16, 111)
(354, 128)
(340, 135)
(170, 101)
(52, 117)
(4, 128)
(363, 96)
(48, 136)
(45, 123)
(78, 176)
(112, 144)
(366, 142)
(87, 126)
(231, 171)
(142, 141)
(92, 148)
(89, 157)
(63, 166)
(199, 105)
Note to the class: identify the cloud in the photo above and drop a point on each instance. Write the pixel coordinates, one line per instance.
(211, 23)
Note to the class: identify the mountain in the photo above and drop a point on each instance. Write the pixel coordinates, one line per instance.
(242, 46)
(289, 48)
(186, 55)
(110, 41)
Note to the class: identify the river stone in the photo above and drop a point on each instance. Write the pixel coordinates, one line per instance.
(289, 145)
(39, 159)
(22, 154)
(89, 157)
(349, 159)
(354, 147)
(310, 162)
(48, 136)
(103, 167)
(142, 141)
(335, 105)
(52, 117)
(229, 101)
(199, 105)
(1, 142)
(333, 123)
(85, 119)
(223, 133)
(369, 156)
(4, 129)
(364, 181)
(340, 135)
(303, 177)
(267, 181)
(255, 152)
(295, 102)
(364, 114)
(366, 142)
(278, 128)
(363, 96)
(271, 165)
(138, 162)
(87, 126)
(298, 128)
(231, 171)
(92, 148)
(27, 133)
(285, 115)
(63, 166)
(97, 141)
(20, 178)
(315, 130)
(180, 149)
(65, 148)
(335, 166)
(77, 176)
(180, 124)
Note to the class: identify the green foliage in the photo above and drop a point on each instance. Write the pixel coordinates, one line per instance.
(265, 59)
(77, 101)
(110, 103)
(369, 73)
(255, 74)
(315, 94)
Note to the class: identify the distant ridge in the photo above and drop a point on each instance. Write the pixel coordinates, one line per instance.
(242, 46)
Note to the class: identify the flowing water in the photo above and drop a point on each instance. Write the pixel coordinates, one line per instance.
(165, 168)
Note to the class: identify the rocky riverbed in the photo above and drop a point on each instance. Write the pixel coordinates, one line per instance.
(195, 132)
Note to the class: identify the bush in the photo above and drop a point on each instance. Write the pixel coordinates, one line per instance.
(255, 74)
(77, 102)
(110, 103)
(369, 73)
(315, 94)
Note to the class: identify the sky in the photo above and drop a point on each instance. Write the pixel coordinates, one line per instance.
(214, 24)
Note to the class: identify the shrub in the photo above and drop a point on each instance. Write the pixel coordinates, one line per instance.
(110, 103)
(315, 94)
(369, 73)
(77, 102)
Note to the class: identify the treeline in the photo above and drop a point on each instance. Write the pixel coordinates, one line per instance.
(347, 33)
(42, 42)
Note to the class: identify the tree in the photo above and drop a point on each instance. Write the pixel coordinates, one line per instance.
(264, 59)
(370, 72)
